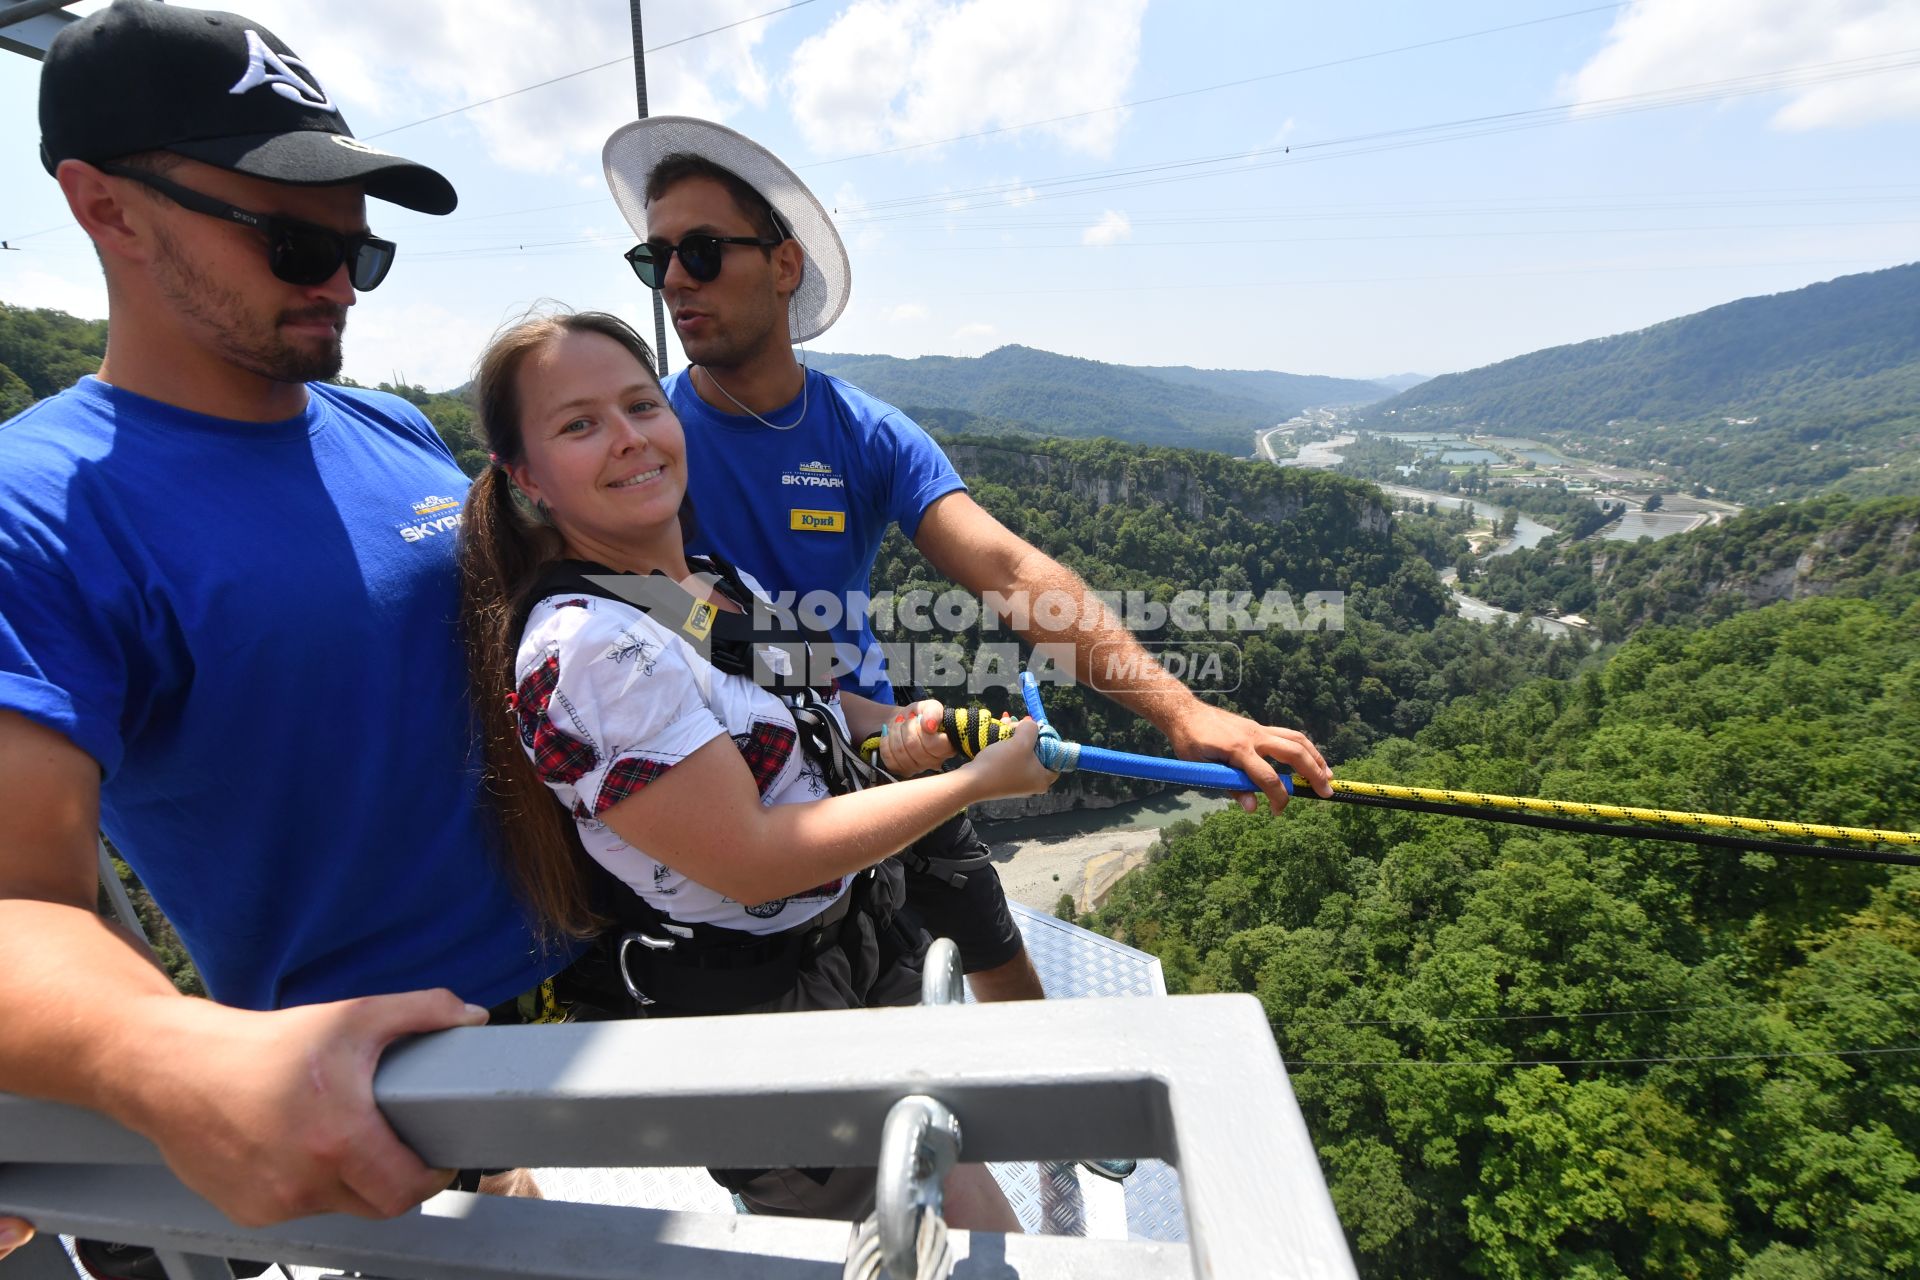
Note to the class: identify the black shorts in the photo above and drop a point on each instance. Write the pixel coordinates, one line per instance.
(975, 915)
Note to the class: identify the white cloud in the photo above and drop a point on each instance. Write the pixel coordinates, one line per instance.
(895, 72)
(1112, 228)
(908, 312)
(429, 56)
(1660, 44)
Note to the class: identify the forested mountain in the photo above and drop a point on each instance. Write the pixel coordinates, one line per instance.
(1282, 395)
(1781, 395)
(1402, 381)
(1160, 521)
(1526, 1054)
(1047, 394)
(1831, 545)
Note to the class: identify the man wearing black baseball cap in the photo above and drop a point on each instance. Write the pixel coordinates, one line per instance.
(213, 87)
(226, 639)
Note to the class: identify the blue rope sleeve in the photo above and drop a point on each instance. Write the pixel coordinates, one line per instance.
(1064, 757)
(1186, 773)
(1030, 691)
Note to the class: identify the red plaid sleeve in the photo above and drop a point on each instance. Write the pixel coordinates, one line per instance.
(766, 749)
(558, 758)
(626, 777)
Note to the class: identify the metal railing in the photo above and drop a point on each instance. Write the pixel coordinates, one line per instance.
(1192, 1080)
(29, 26)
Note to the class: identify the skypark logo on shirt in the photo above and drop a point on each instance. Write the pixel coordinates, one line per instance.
(816, 474)
(434, 515)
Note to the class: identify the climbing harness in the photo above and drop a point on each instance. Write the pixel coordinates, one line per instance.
(650, 961)
(782, 657)
(972, 730)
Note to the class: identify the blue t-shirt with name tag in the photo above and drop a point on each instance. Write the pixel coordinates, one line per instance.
(253, 629)
(804, 508)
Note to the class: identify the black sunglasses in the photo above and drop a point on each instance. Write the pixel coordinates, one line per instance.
(297, 252)
(699, 254)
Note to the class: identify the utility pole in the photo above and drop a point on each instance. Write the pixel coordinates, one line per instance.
(640, 92)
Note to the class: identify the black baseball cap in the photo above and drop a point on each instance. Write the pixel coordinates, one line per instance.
(214, 87)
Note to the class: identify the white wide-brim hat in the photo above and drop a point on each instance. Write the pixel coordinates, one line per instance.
(634, 150)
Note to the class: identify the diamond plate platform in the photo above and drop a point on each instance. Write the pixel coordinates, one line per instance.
(1075, 963)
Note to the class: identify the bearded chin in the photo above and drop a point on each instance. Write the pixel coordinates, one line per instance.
(313, 366)
(288, 363)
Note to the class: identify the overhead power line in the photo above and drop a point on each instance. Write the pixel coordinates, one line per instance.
(1211, 88)
(598, 66)
(1137, 286)
(624, 237)
(1186, 168)
(1497, 233)
(1490, 206)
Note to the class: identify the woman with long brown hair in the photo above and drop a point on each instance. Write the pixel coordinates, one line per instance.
(744, 874)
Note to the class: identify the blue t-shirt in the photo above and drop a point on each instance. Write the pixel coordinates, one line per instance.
(805, 509)
(252, 628)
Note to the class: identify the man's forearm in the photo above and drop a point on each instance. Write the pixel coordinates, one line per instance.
(1106, 655)
(80, 992)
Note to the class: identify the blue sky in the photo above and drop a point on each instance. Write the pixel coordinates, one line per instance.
(1729, 148)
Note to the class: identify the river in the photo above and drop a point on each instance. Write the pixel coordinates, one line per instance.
(1085, 852)
(1527, 532)
(1320, 455)
(1475, 609)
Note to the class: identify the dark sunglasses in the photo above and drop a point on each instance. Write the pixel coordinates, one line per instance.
(699, 254)
(297, 252)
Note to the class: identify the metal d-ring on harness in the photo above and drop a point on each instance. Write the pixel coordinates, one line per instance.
(906, 1236)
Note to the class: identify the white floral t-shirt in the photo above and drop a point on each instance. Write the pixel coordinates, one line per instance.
(608, 701)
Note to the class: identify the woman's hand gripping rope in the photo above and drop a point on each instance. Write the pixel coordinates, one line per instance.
(1005, 754)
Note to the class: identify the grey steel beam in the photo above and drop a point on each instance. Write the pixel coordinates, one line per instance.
(461, 1237)
(1193, 1080)
(28, 26)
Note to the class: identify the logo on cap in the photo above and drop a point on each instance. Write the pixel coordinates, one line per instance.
(354, 144)
(264, 66)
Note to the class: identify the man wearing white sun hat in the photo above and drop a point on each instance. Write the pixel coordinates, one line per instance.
(795, 476)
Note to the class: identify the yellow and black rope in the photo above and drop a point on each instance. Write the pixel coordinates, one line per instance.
(972, 729)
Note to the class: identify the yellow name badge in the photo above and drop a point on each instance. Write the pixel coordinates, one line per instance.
(700, 619)
(818, 521)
